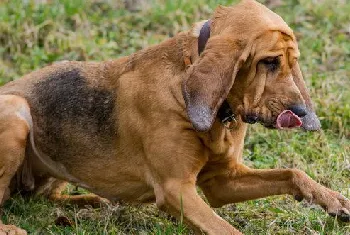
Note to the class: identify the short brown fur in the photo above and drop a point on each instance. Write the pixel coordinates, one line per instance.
(143, 128)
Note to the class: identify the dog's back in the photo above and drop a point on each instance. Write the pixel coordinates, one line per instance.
(72, 107)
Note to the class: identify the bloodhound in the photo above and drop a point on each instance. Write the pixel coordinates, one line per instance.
(152, 126)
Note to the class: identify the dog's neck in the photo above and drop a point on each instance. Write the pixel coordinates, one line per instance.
(189, 46)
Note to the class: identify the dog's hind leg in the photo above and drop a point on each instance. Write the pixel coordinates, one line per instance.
(53, 188)
(14, 129)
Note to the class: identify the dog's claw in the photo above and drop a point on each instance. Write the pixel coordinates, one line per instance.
(345, 218)
(342, 215)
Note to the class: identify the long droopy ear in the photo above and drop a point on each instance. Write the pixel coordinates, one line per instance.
(310, 120)
(211, 78)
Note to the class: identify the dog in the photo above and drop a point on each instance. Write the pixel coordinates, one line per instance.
(152, 126)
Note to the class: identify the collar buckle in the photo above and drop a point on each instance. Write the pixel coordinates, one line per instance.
(229, 122)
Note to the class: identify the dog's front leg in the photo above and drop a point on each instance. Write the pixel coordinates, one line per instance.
(243, 183)
(181, 200)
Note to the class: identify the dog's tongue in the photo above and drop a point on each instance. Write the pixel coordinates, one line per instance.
(287, 119)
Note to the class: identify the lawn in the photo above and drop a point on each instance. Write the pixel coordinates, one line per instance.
(33, 35)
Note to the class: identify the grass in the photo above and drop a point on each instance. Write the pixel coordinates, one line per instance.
(33, 35)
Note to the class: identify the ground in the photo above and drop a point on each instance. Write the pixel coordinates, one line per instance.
(36, 33)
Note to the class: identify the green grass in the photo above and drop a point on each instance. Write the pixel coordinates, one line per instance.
(33, 35)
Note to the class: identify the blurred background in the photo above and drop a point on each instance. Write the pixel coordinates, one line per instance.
(34, 33)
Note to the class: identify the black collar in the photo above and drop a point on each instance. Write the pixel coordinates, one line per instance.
(225, 113)
(204, 36)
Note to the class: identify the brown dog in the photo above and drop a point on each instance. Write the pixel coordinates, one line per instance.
(153, 125)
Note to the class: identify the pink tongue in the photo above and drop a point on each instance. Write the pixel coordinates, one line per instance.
(287, 119)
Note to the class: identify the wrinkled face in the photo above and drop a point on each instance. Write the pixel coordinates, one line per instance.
(252, 62)
(269, 83)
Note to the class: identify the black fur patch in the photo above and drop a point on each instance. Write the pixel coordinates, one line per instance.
(66, 100)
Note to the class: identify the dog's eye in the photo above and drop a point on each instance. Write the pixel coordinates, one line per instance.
(272, 63)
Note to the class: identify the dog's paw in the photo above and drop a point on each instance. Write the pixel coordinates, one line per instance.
(11, 230)
(342, 212)
(332, 202)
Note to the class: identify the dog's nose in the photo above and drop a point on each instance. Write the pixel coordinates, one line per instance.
(299, 110)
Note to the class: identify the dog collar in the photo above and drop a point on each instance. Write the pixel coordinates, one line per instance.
(225, 113)
(204, 36)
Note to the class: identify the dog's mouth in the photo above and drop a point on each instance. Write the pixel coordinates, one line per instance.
(285, 120)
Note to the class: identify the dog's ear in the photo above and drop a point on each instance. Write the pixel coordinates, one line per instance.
(211, 78)
(310, 120)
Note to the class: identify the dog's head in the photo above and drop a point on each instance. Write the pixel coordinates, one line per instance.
(250, 59)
